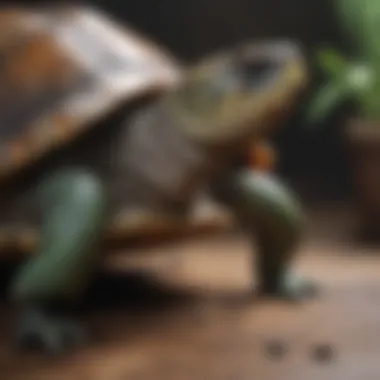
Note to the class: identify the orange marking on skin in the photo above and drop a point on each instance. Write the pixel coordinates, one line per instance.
(262, 156)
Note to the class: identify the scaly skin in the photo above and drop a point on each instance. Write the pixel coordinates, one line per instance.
(221, 106)
(273, 217)
(75, 208)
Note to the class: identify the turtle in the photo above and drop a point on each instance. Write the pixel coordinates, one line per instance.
(102, 129)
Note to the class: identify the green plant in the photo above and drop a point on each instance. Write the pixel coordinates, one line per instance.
(357, 76)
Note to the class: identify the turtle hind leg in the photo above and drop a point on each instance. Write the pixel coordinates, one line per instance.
(74, 215)
(273, 219)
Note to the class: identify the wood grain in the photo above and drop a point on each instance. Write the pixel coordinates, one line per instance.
(192, 317)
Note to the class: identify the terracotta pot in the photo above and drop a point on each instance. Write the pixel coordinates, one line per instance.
(364, 146)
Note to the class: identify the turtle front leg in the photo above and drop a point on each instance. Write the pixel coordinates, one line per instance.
(273, 217)
(67, 253)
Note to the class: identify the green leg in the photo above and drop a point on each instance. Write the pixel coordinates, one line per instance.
(74, 206)
(273, 218)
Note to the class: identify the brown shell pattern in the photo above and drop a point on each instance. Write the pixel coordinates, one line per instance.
(62, 70)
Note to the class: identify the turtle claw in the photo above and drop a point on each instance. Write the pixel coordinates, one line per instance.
(51, 335)
(291, 288)
(297, 289)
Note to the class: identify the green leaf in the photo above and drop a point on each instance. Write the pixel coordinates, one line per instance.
(324, 102)
(331, 62)
(360, 22)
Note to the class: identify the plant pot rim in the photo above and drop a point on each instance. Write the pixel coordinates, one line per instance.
(362, 128)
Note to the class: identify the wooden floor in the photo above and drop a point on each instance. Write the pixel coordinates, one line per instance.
(191, 316)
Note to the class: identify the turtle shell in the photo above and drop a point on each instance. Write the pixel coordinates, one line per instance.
(63, 69)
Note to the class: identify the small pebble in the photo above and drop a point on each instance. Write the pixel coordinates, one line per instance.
(323, 353)
(275, 349)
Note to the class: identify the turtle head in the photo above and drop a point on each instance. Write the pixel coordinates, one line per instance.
(242, 92)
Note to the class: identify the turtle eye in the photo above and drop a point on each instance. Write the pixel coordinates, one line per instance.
(257, 74)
